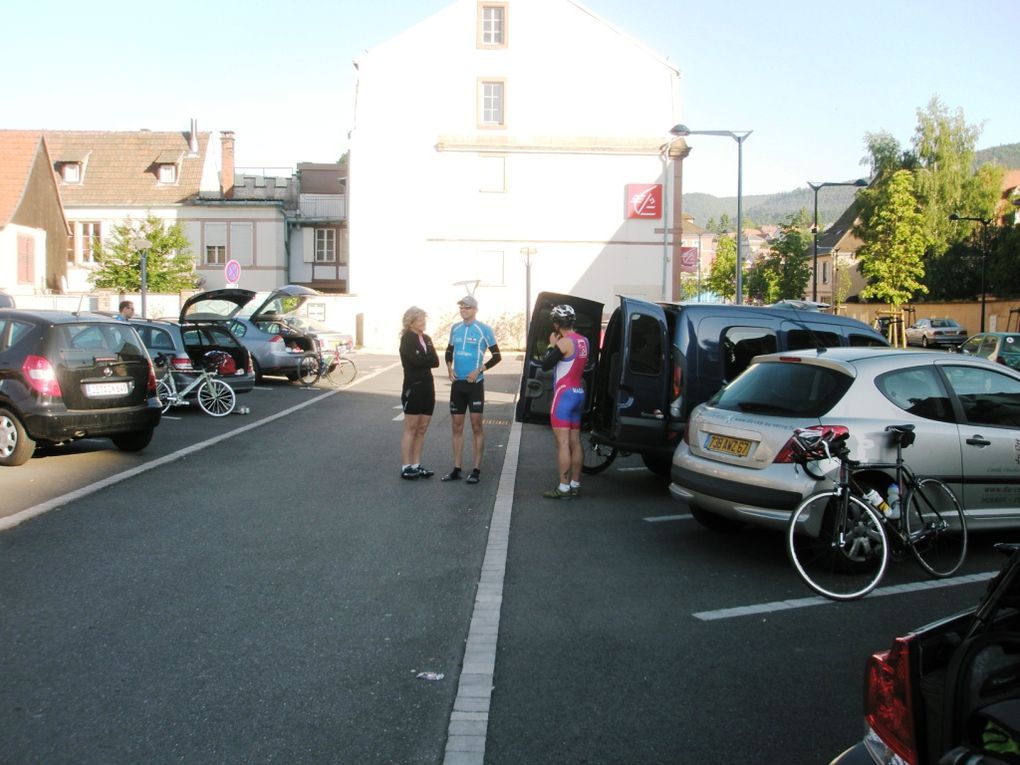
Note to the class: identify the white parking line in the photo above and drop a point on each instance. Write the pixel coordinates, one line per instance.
(44, 507)
(818, 600)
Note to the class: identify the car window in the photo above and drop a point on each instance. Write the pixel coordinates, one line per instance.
(866, 341)
(1010, 345)
(741, 344)
(786, 389)
(799, 339)
(646, 356)
(81, 343)
(988, 397)
(988, 346)
(237, 329)
(918, 390)
(18, 330)
(220, 336)
(971, 346)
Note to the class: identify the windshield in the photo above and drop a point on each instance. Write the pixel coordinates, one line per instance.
(785, 389)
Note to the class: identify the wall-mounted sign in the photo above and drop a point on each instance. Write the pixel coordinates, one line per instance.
(644, 200)
(689, 259)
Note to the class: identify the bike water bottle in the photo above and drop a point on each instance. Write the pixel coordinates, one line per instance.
(877, 502)
(894, 500)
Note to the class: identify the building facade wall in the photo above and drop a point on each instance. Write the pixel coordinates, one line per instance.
(439, 201)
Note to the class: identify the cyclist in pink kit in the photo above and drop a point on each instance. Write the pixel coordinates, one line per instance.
(568, 355)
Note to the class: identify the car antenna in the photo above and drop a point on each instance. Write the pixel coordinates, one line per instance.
(81, 297)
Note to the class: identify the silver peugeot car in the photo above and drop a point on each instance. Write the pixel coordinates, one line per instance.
(736, 465)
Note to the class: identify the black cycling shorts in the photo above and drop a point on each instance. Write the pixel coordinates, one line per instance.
(467, 396)
(418, 398)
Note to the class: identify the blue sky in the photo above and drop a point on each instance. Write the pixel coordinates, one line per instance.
(809, 78)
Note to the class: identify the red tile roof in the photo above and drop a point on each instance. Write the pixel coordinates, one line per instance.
(121, 168)
(18, 150)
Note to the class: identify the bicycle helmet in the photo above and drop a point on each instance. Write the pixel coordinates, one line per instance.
(563, 314)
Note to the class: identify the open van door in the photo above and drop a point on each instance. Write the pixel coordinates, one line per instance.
(638, 355)
(535, 398)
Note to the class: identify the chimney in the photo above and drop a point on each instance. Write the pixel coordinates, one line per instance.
(193, 138)
(227, 160)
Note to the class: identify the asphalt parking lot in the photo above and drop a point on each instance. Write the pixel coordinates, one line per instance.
(274, 595)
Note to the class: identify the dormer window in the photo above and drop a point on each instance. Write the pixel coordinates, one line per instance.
(168, 173)
(70, 172)
(168, 165)
(70, 165)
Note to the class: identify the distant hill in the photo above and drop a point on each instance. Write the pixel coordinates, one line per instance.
(832, 201)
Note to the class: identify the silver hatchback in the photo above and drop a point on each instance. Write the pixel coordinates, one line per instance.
(735, 464)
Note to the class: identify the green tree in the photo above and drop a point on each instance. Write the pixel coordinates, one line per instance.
(722, 278)
(169, 265)
(783, 272)
(891, 258)
(725, 226)
(940, 160)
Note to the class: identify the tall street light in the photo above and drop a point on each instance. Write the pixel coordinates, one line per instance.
(666, 152)
(814, 256)
(682, 131)
(984, 251)
(528, 253)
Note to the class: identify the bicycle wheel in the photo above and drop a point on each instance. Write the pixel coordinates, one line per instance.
(216, 398)
(345, 372)
(308, 369)
(165, 395)
(839, 550)
(597, 457)
(936, 529)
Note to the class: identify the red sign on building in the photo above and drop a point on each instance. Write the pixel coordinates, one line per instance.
(644, 200)
(689, 259)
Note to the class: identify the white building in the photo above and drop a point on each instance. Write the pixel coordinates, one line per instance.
(496, 126)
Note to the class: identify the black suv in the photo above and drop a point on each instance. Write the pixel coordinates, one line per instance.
(65, 376)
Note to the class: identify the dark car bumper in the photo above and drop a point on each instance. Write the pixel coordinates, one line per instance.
(54, 425)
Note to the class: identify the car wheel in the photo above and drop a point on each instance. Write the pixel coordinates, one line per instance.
(657, 465)
(16, 447)
(924, 341)
(134, 441)
(713, 521)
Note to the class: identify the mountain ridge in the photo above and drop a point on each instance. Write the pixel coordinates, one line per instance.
(832, 201)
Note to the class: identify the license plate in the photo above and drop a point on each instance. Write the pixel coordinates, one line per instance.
(103, 390)
(738, 447)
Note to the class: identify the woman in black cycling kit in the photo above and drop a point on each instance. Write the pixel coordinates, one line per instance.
(418, 393)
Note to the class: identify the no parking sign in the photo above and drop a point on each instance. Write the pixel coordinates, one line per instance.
(232, 272)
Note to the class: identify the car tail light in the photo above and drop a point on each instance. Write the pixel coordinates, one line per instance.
(150, 385)
(182, 364)
(888, 703)
(40, 376)
(787, 454)
(249, 366)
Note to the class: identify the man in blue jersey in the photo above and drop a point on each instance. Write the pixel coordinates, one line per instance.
(466, 365)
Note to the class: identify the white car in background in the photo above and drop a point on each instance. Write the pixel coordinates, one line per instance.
(735, 464)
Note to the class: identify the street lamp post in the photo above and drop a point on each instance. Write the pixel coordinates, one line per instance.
(814, 229)
(527, 252)
(142, 246)
(984, 252)
(682, 131)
